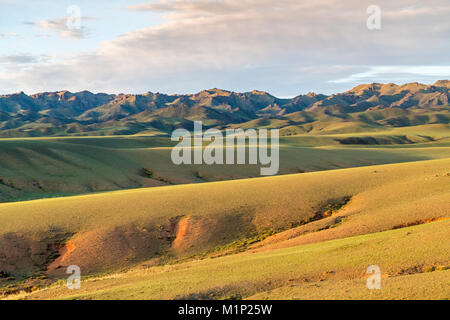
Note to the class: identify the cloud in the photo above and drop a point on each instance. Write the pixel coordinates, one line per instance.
(212, 6)
(415, 11)
(390, 72)
(19, 59)
(62, 27)
(286, 47)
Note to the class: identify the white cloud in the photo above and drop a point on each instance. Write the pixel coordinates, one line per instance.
(416, 10)
(61, 27)
(386, 72)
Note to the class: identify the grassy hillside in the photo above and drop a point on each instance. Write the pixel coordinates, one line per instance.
(49, 167)
(110, 231)
(141, 227)
(414, 262)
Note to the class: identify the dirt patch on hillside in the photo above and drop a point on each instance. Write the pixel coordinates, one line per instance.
(107, 249)
(420, 269)
(204, 235)
(24, 259)
(418, 222)
(192, 233)
(178, 237)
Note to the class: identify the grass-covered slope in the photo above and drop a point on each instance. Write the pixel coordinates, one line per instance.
(110, 231)
(49, 167)
(414, 263)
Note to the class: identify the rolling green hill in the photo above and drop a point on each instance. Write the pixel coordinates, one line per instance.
(87, 179)
(32, 168)
(238, 238)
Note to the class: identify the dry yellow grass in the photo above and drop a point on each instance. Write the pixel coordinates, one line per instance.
(412, 261)
(429, 285)
(118, 229)
(32, 168)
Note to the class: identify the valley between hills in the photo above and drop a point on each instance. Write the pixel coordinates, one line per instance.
(86, 179)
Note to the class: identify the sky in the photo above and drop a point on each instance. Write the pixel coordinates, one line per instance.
(285, 47)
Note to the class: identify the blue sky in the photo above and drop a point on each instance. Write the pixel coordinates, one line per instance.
(286, 47)
(106, 20)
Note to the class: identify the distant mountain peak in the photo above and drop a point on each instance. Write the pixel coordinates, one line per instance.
(442, 83)
(363, 88)
(258, 92)
(84, 112)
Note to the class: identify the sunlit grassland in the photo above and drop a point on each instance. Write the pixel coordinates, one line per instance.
(141, 227)
(113, 230)
(33, 168)
(341, 263)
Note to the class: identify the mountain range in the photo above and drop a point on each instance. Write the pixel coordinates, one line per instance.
(365, 107)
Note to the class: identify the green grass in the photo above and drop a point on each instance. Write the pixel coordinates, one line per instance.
(244, 275)
(126, 226)
(421, 286)
(32, 168)
(193, 234)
